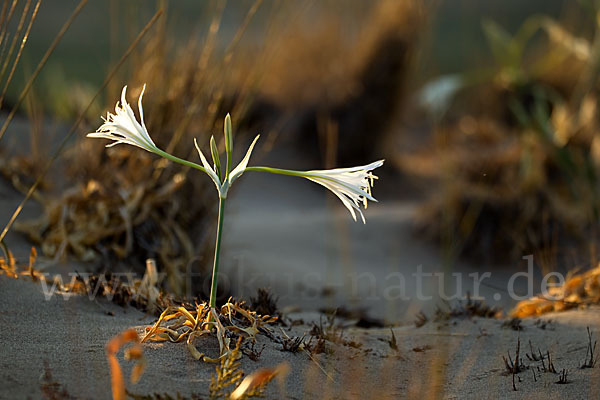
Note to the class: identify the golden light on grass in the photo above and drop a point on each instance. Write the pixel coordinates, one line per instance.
(259, 379)
(134, 353)
(578, 290)
(80, 118)
(177, 323)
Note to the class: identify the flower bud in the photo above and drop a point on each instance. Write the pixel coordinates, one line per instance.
(214, 151)
(228, 139)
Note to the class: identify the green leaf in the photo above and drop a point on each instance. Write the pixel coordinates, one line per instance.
(499, 40)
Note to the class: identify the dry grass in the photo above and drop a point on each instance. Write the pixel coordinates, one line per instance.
(232, 321)
(578, 290)
(135, 352)
(516, 154)
(143, 294)
(123, 206)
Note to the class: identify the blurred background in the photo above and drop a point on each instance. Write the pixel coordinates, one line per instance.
(486, 114)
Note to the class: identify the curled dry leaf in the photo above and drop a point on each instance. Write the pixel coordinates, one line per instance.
(234, 320)
(32, 258)
(8, 265)
(255, 383)
(134, 353)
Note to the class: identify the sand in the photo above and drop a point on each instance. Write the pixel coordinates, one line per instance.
(291, 237)
(459, 359)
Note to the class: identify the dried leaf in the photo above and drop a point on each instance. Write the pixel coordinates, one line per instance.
(255, 383)
(579, 289)
(136, 353)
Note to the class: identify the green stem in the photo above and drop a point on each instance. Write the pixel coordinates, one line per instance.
(290, 172)
(280, 171)
(228, 165)
(310, 175)
(179, 160)
(213, 286)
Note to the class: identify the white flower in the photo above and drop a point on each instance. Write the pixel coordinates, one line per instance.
(122, 127)
(223, 187)
(351, 185)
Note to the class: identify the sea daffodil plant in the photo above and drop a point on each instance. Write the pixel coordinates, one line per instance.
(351, 185)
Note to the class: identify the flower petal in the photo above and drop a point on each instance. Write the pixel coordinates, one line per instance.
(364, 168)
(350, 205)
(239, 170)
(141, 110)
(122, 126)
(351, 185)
